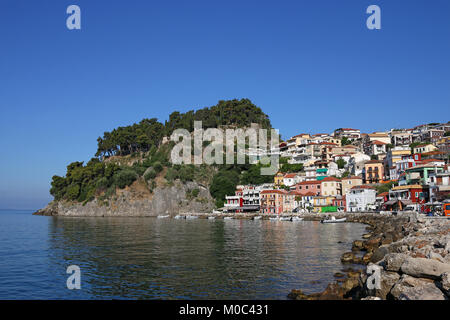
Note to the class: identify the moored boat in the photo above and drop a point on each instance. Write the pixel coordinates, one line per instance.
(228, 218)
(297, 219)
(211, 218)
(179, 217)
(163, 216)
(285, 218)
(333, 220)
(274, 218)
(257, 218)
(191, 217)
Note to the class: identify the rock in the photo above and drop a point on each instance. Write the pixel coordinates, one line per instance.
(297, 295)
(394, 261)
(371, 298)
(379, 254)
(332, 292)
(445, 283)
(371, 244)
(357, 245)
(348, 257)
(366, 258)
(366, 236)
(410, 288)
(435, 256)
(424, 268)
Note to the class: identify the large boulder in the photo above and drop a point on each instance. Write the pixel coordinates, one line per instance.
(394, 261)
(379, 254)
(410, 288)
(424, 268)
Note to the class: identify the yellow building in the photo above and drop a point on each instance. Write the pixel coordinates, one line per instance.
(322, 201)
(424, 147)
(349, 182)
(278, 179)
(330, 186)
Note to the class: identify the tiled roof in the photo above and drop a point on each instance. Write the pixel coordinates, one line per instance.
(273, 191)
(331, 179)
(303, 183)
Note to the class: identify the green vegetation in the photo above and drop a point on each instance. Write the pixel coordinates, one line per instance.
(385, 187)
(345, 141)
(341, 163)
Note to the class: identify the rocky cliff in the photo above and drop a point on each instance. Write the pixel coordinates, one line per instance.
(173, 199)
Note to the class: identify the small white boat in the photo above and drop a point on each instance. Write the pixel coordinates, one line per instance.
(163, 216)
(228, 218)
(191, 217)
(216, 212)
(257, 218)
(297, 219)
(285, 218)
(179, 217)
(334, 220)
(211, 218)
(274, 219)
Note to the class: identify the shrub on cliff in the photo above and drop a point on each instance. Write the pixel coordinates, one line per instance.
(125, 177)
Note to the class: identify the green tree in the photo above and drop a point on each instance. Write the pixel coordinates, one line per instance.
(341, 163)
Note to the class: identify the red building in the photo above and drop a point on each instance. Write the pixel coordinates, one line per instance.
(307, 186)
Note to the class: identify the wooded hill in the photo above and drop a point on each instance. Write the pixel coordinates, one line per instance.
(143, 142)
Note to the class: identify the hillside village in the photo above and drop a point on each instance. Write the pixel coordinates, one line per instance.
(353, 171)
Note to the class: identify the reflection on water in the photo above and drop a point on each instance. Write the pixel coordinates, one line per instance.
(147, 258)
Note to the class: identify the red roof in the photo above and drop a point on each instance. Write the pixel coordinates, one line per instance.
(290, 175)
(331, 179)
(273, 191)
(377, 142)
(303, 183)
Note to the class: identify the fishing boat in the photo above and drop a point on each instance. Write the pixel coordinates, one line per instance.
(211, 218)
(163, 216)
(285, 218)
(257, 218)
(179, 217)
(274, 219)
(228, 218)
(297, 219)
(333, 220)
(191, 217)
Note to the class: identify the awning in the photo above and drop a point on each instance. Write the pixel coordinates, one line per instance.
(406, 202)
(390, 202)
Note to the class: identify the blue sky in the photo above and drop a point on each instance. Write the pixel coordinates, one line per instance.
(311, 65)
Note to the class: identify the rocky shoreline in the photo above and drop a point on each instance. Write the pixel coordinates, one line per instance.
(411, 253)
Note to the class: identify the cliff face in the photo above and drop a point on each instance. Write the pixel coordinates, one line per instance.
(172, 200)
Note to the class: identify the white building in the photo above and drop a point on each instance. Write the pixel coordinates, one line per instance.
(360, 198)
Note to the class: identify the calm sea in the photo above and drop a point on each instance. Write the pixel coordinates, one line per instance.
(149, 258)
